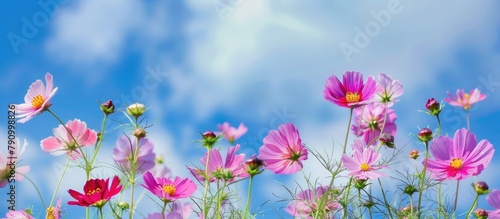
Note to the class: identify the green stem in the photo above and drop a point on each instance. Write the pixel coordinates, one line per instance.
(207, 181)
(473, 206)
(248, 197)
(385, 199)
(220, 196)
(456, 196)
(100, 141)
(133, 166)
(411, 206)
(361, 203)
(439, 124)
(348, 129)
(439, 199)
(36, 188)
(467, 116)
(347, 198)
(163, 209)
(100, 213)
(422, 180)
(60, 180)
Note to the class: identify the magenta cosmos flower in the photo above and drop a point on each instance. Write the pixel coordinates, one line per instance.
(494, 200)
(96, 192)
(369, 121)
(229, 170)
(19, 214)
(37, 99)
(352, 92)
(169, 190)
(64, 142)
(388, 90)
(123, 152)
(362, 164)
(465, 100)
(460, 157)
(5, 167)
(307, 202)
(232, 133)
(283, 151)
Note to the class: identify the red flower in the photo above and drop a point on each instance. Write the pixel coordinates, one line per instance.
(96, 192)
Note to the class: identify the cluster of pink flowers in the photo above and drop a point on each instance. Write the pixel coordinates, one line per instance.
(371, 105)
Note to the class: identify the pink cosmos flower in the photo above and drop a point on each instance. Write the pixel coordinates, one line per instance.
(362, 163)
(307, 202)
(388, 90)
(232, 133)
(494, 200)
(465, 100)
(55, 212)
(352, 92)
(63, 142)
(460, 157)
(283, 151)
(369, 120)
(123, 152)
(178, 211)
(228, 171)
(7, 163)
(37, 99)
(168, 190)
(19, 214)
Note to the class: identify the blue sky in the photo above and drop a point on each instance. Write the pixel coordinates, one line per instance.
(258, 62)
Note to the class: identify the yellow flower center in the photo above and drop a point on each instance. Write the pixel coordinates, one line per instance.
(456, 163)
(466, 96)
(364, 167)
(50, 213)
(351, 97)
(37, 101)
(91, 192)
(169, 189)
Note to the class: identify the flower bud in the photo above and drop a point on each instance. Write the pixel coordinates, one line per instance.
(369, 204)
(406, 209)
(481, 188)
(209, 139)
(387, 140)
(108, 107)
(409, 190)
(360, 183)
(433, 106)
(425, 135)
(481, 213)
(253, 165)
(136, 110)
(139, 133)
(123, 205)
(414, 154)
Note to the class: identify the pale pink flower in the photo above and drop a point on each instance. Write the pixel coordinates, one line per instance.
(68, 142)
(352, 92)
(388, 90)
(307, 203)
(369, 121)
(494, 200)
(177, 211)
(231, 169)
(362, 164)
(9, 163)
(283, 151)
(168, 190)
(37, 99)
(232, 133)
(125, 148)
(460, 157)
(19, 214)
(465, 100)
(55, 212)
